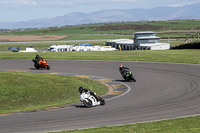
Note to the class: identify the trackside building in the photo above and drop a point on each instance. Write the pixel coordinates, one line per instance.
(141, 41)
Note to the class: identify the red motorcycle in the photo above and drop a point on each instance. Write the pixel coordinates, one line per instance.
(41, 64)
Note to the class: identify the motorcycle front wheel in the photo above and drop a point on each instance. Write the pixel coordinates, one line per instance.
(102, 102)
(87, 103)
(133, 78)
(48, 67)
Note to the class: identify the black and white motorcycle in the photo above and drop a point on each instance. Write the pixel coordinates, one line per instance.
(89, 101)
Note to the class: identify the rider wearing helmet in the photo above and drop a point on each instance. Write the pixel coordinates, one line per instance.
(123, 69)
(81, 90)
(37, 59)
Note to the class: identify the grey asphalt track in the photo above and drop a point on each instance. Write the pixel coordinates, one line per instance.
(162, 91)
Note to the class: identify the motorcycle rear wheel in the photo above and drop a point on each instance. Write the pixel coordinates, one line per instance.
(36, 66)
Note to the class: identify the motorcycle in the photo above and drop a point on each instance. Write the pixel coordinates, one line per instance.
(41, 64)
(127, 75)
(90, 101)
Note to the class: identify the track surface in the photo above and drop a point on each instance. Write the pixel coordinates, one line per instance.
(162, 91)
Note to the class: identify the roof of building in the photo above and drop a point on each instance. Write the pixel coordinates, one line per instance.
(153, 44)
(145, 32)
(147, 37)
(116, 40)
(122, 41)
(127, 41)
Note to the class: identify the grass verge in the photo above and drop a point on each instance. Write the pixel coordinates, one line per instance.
(173, 56)
(20, 91)
(181, 125)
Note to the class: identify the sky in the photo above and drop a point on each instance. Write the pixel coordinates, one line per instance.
(24, 10)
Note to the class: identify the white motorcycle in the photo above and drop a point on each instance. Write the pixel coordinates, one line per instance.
(90, 101)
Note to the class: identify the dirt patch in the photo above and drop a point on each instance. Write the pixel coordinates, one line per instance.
(31, 38)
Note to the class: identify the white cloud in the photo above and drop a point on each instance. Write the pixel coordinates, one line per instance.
(13, 3)
(56, 3)
(59, 3)
(184, 2)
(80, 2)
(123, 1)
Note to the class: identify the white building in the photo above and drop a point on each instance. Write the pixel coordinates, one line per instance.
(126, 44)
(66, 48)
(29, 49)
(60, 48)
(149, 41)
(141, 41)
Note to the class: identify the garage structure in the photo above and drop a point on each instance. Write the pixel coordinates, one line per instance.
(142, 41)
(123, 44)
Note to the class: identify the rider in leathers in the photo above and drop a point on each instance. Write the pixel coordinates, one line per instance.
(81, 90)
(123, 69)
(37, 59)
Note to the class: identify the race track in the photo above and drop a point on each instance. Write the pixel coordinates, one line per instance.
(162, 91)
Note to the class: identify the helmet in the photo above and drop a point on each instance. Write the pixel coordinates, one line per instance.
(121, 65)
(80, 89)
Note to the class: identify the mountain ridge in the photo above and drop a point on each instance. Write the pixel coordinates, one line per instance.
(115, 15)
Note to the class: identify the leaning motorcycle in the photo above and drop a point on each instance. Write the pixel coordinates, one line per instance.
(41, 64)
(90, 101)
(127, 75)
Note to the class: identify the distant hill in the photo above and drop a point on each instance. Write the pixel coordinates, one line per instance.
(136, 14)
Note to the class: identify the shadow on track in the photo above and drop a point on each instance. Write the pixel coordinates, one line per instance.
(123, 81)
(79, 106)
(37, 69)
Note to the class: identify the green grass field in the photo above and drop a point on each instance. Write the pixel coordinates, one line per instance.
(20, 91)
(181, 125)
(175, 28)
(173, 56)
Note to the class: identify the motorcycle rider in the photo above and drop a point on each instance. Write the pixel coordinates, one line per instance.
(123, 69)
(81, 90)
(126, 72)
(37, 59)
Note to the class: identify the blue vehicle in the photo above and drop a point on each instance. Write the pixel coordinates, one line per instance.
(13, 49)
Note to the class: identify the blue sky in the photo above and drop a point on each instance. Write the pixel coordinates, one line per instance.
(23, 10)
